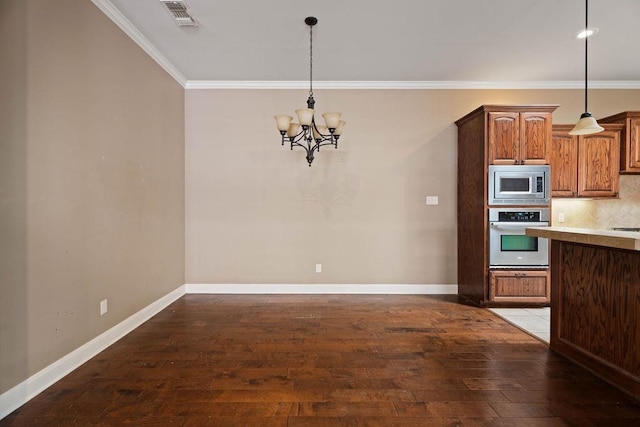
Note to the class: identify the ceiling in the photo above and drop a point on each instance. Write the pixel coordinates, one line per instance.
(493, 42)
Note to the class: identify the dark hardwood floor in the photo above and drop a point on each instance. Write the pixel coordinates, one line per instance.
(341, 360)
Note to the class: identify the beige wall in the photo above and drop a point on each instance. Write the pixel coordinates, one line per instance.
(92, 181)
(256, 213)
(13, 198)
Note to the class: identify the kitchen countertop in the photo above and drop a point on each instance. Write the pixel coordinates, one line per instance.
(609, 238)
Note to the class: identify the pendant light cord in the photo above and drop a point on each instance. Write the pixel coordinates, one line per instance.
(586, 50)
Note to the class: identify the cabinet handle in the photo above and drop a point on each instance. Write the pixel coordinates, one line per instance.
(519, 275)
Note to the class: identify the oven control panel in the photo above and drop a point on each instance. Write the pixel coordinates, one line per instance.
(523, 216)
(518, 215)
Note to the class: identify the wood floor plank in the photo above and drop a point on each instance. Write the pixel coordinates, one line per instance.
(327, 360)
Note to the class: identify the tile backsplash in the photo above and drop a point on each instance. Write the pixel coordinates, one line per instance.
(602, 213)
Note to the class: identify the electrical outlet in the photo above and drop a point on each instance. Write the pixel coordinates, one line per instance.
(103, 307)
(318, 268)
(561, 217)
(432, 200)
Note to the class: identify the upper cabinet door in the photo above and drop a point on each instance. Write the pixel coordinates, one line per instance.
(564, 164)
(535, 138)
(630, 141)
(632, 146)
(504, 138)
(599, 164)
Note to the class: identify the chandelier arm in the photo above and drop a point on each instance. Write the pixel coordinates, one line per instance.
(328, 142)
(306, 147)
(303, 136)
(309, 148)
(325, 136)
(298, 137)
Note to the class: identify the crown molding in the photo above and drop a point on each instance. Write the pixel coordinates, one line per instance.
(125, 25)
(271, 84)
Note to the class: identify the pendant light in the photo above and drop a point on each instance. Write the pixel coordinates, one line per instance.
(587, 123)
(305, 133)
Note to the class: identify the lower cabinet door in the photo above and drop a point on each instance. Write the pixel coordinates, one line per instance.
(519, 286)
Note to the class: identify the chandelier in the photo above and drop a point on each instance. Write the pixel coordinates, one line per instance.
(587, 124)
(306, 133)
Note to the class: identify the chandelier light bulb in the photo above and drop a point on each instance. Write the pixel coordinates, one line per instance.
(294, 129)
(305, 116)
(283, 122)
(331, 120)
(339, 128)
(319, 132)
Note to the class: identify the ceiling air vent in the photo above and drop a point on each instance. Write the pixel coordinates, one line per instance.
(180, 14)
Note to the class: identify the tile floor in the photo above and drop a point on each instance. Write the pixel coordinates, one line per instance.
(535, 321)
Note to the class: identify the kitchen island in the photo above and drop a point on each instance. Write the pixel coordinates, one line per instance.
(595, 301)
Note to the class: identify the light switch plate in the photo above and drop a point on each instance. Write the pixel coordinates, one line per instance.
(432, 200)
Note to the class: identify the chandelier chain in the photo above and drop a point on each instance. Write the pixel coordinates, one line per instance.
(311, 60)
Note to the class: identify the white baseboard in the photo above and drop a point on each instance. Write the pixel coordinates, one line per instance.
(37, 383)
(222, 288)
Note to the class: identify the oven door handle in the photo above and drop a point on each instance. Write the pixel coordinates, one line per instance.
(519, 225)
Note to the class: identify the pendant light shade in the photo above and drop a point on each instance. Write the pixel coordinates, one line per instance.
(587, 123)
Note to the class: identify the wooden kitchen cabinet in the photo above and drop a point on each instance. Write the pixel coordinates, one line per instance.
(518, 286)
(493, 134)
(564, 162)
(585, 165)
(519, 138)
(630, 141)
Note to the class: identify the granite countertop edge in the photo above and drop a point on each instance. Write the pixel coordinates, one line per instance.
(607, 238)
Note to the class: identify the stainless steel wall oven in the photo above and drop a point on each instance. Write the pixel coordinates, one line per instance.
(509, 247)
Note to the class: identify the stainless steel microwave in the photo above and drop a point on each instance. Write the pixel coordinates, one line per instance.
(519, 185)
